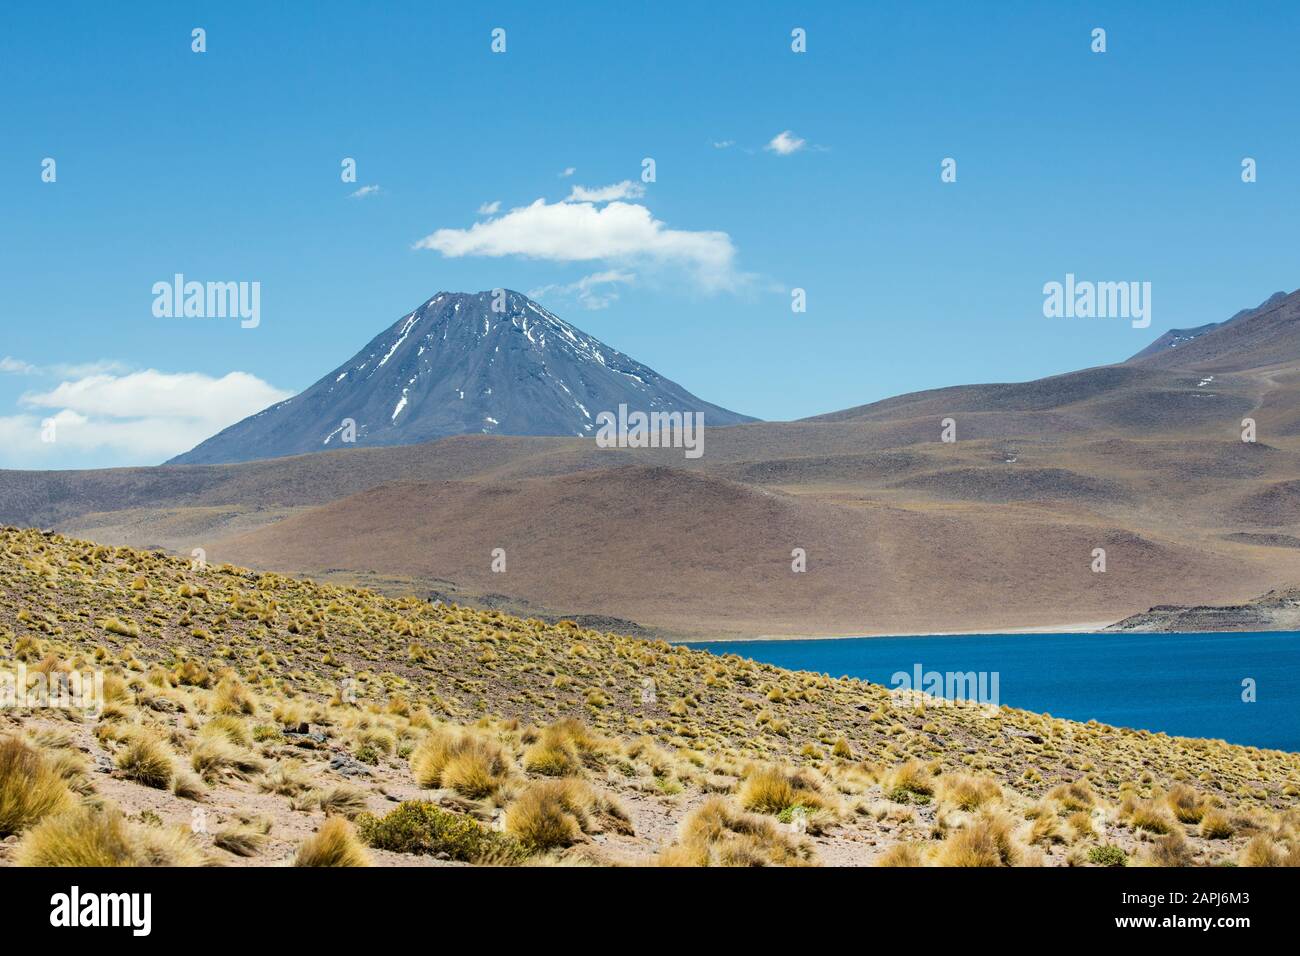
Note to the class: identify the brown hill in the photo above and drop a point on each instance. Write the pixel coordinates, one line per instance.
(904, 532)
(696, 554)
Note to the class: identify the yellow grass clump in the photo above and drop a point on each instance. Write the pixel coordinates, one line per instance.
(966, 792)
(465, 762)
(85, 837)
(334, 844)
(716, 833)
(557, 813)
(902, 854)
(30, 787)
(558, 750)
(146, 760)
(773, 789)
(985, 841)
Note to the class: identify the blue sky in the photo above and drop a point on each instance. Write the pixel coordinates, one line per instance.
(225, 166)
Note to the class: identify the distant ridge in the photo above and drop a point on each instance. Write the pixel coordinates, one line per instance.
(1234, 343)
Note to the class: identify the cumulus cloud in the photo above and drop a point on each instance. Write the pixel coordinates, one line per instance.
(784, 143)
(595, 291)
(138, 417)
(620, 233)
(183, 394)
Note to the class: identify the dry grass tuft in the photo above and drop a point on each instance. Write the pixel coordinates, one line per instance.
(216, 757)
(1146, 815)
(334, 844)
(910, 778)
(146, 760)
(1261, 851)
(31, 787)
(556, 813)
(240, 840)
(1187, 805)
(902, 854)
(465, 762)
(773, 789)
(84, 838)
(1170, 850)
(965, 792)
(233, 698)
(1216, 825)
(985, 841)
(718, 834)
(341, 801)
(1074, 796)
(555, 753)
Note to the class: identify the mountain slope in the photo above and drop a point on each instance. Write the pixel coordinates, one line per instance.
(1253, 338)
(458, 366)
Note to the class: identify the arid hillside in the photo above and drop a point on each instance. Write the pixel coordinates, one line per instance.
(248, 718)
(697, 554)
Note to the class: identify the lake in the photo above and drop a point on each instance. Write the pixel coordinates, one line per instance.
(1184, 684)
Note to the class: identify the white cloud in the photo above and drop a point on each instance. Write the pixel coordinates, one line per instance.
(490, 208)
(140, 417)
(590, 290)
(568, 171)
(785, 143)
(724, 143)
(101, 367)
(12, 366)
(184, 395)
(619, 233)
(364, 191)
(624, 190)
(145, 441)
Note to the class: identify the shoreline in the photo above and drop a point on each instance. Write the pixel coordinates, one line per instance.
(1087, 627)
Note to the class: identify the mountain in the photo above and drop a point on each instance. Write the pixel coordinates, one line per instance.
(455, 366)
(1142, 458)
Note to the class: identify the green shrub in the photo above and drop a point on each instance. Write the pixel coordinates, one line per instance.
(1107, 856)
(265, 732)
(420, 827)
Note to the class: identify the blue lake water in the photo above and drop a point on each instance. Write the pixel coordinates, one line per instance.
(1184, 684)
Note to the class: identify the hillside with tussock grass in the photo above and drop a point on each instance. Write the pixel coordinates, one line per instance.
(254, 719)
